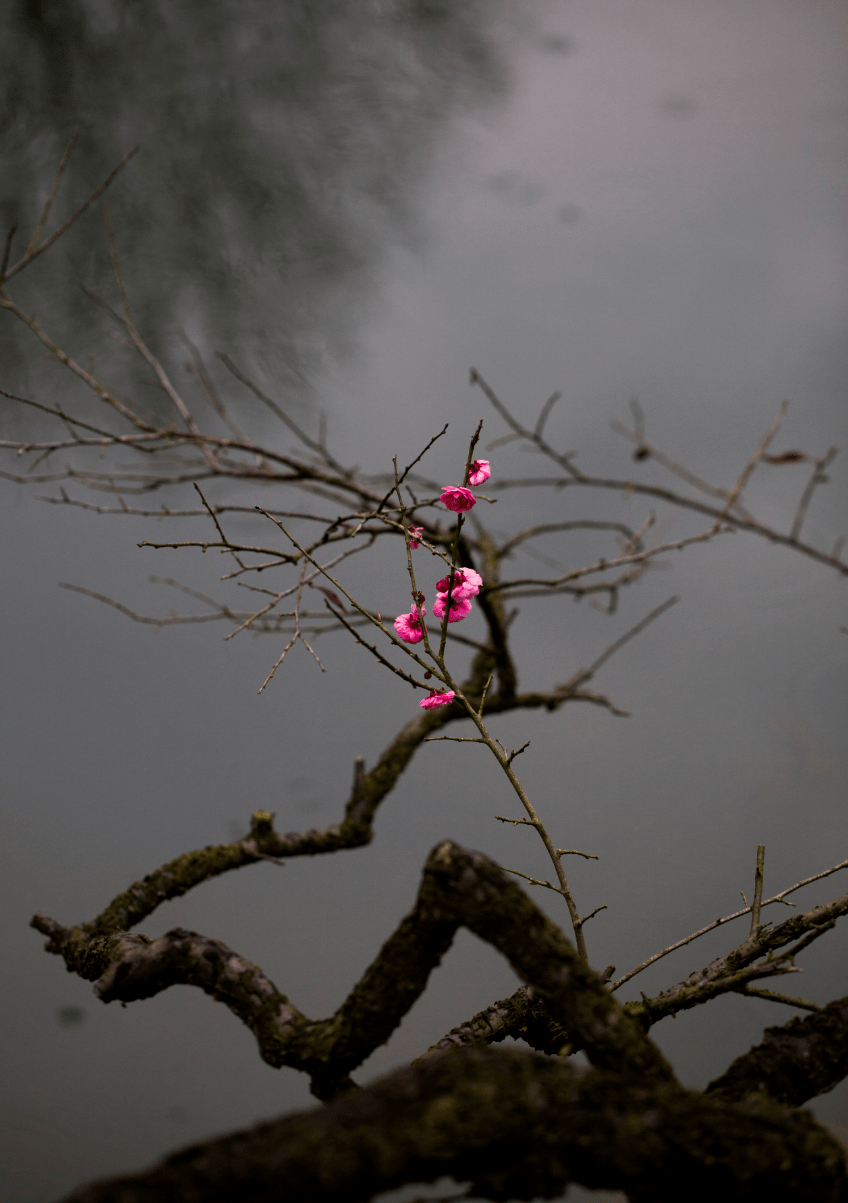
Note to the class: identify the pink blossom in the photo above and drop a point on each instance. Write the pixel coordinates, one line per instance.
(457, 498)
(436, 699)
(415, 533)
(408, 626)
(466, 583)
(479, 471)
(460, 607)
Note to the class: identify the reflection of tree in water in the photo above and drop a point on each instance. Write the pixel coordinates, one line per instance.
(281, 145)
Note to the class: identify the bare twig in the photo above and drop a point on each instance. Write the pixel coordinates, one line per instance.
(48, 242)
(747, 471)
(7, 251)
(647, 450)
(758, 889)
(534, 881)
(209, 389)
(771, 996)
(781, 897)
(532, 436)
(819, 477)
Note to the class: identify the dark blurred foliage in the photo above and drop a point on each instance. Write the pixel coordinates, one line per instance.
(282, 143)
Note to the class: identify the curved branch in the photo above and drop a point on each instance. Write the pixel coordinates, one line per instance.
(547, 528)
(458, 888)
(513, 1125)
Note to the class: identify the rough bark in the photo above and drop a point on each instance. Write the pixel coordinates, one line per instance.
(513, 1125)
(795, 1062)
(458, 888)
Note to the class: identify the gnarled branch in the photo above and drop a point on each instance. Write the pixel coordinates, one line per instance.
(514, 1125)
(458, 888)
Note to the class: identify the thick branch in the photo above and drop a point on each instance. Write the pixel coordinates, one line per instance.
(730, 972)
(458, 888)
(795, 1062)
(524, 1016)
(513, 1125)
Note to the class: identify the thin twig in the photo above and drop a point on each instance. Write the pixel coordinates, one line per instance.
(781, 897)
(374, 650)
(210, 390)
(736, 491)
(280, 413)
(454, 739)
(42, 247)
(772, 996)
(545, 528)
(483, 694)
(758, 889)
(636, 436)
(8, 249)
(604, 565)
(818, 478)
(532, 436)
(545, 414)
(534, 881)
(585, 674)
(627, 487)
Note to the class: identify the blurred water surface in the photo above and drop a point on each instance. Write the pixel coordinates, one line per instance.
(361, 201)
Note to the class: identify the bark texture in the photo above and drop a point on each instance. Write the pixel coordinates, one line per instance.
(512, 1125)
(795, 1062)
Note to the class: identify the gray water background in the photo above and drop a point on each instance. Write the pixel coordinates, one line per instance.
(627, 199)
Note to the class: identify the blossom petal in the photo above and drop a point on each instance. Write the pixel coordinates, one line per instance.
(479, 471)
(408, 626)
(466, 583)
(460, 607)
(437, 699)
(457, 498)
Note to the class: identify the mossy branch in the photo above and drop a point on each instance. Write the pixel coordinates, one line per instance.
(795, 1062)
(459, 888)
(512, 1125)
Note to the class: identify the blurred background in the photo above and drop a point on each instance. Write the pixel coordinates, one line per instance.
(357, 201)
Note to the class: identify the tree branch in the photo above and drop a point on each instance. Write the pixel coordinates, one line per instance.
(803, 1058)
(458, 888)
(514, 1125)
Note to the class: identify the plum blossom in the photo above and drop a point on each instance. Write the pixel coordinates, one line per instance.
(457, 498)
(460, 607)
(479, 471)
(466, 583)
(415, 533)
(408, 626)
(436, 699)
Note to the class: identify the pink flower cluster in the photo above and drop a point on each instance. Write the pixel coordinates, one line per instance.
(456, 600)
(466, 584)
(457, 497)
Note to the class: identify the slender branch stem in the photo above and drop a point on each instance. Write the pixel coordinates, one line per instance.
(746, 910)
(504, 760)
(758, 890)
